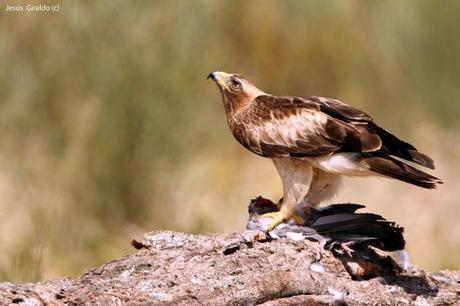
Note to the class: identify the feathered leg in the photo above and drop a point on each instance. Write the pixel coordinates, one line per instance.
(296, 176)
(323, 187)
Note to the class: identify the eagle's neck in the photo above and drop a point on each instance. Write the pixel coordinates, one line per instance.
(236, 102)
(232, 105)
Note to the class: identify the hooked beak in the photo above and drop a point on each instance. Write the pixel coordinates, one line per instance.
(212, 76)
(219, 77)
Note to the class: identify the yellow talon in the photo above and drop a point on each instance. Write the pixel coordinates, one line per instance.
(298, 219)
(280, 202)
(277, 217)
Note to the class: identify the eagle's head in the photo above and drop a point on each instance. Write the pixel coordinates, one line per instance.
(237, 92)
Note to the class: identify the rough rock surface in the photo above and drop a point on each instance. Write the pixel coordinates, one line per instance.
(232, 269)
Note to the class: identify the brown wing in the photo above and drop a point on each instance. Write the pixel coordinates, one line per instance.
(339, 110)
(308, 126)
(391, 145)
(289, 126)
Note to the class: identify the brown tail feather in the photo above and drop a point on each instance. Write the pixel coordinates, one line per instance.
(421, 159)
(394, 168)
(392, 145)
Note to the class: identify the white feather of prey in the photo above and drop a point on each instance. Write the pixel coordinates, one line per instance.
(402, 257)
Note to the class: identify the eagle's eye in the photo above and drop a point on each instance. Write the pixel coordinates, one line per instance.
(235, 85)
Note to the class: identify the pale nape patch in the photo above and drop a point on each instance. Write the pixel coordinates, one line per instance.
(250, 90)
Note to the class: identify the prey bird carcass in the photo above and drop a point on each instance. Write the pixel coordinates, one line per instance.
(332, 225)
(354, 237)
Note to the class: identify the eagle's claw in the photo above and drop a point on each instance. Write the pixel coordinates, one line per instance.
(277, 218)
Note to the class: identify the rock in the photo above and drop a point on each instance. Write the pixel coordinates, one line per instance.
(241, 268)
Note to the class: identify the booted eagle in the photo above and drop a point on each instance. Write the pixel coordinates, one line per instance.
(313, 142)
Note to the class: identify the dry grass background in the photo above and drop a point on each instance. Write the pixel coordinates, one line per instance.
(108, 127)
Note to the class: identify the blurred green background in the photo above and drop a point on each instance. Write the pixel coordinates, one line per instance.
(109, 128)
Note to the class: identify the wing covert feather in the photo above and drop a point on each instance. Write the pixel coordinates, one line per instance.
(276, 126)
(289, 126)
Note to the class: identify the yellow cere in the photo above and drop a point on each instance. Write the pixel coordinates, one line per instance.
(220, 77)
